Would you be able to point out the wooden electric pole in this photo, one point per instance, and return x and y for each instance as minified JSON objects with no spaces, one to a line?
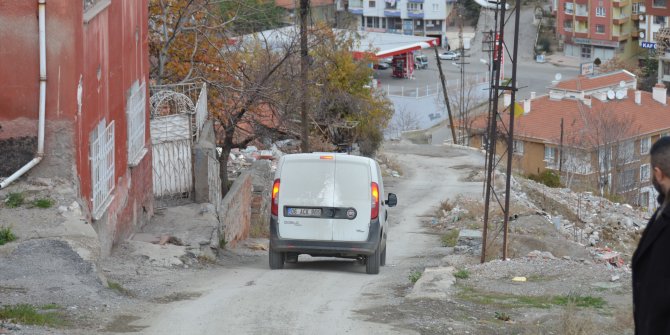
{"x":304,"y":67}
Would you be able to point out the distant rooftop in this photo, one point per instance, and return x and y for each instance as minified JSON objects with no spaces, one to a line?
{"x":590,"y":83}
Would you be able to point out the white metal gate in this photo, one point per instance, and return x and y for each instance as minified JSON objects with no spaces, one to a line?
{"x":172,"y":159}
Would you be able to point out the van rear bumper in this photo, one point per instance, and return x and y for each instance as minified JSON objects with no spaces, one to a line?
{"x":326,"y":248}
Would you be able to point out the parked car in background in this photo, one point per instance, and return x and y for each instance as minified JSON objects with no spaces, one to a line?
{"x":420,"y":61}
{"x":381,"y":66}
{"x":450,"y":55}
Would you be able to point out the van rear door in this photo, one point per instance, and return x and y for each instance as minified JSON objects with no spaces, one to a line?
{"x":307,"y":187}
{"x":352,"y":191}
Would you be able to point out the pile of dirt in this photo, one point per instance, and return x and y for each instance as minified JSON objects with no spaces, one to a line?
{"x":15,"y":153}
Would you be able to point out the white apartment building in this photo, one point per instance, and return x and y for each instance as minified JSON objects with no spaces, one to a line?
{"x":409,"y":17}
{"x":652,"y":15}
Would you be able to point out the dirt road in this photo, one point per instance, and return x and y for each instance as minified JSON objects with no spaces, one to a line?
{"x":320,"y":295}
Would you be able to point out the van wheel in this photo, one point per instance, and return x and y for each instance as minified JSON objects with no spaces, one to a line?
{"x":276,"y":260}
{"x":382,"y":257}
{"x":372,"y":264}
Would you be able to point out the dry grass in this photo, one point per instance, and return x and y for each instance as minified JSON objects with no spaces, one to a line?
{"x":575,"y":321}
{"x":258,"y":230}
{"x":623,"y":320}
{"x":391,"y":164}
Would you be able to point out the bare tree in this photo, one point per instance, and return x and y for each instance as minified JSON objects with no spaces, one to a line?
{"x":610,"y":135}
{"x":403,"y":120}
{"x":190,"y":42}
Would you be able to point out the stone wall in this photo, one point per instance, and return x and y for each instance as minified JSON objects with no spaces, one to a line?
{"x":262,"y":188}
{"x":235,"y":212}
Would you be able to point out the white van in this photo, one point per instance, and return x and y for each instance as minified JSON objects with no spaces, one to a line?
{"x":327,"y":204}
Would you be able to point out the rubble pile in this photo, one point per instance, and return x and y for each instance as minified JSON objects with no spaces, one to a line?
{"x":584,"y":217}
{"x":241,"y":159}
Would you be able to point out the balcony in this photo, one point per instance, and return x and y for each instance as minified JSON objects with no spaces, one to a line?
{"x":584,"y":18}
{"x":620,"y":37}
{"x":621,"y":19}
{"x":620,"y":3}
{"x":356,"y":7}
{"x":582,"y":34}
{"x":392,"y":12}
{"x":415,"y":14}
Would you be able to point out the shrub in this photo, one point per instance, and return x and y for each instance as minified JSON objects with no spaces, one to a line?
{"x":548,"y":177}
{"x":462,"y":274}
{"x":414,"y":276}
{"x":450,"y":239}
{"x":14,"y":200}
{"x":43,"y":203}
{"x":6,"y":235}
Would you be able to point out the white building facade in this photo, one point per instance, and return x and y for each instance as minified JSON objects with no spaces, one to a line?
{"x":409,"y":17}
{"x":652,"y":16}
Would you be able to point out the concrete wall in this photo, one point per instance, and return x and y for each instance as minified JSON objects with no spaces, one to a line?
{"x":235,"y":211}
{"x":203,"y":149}
{"x":262,"y":189}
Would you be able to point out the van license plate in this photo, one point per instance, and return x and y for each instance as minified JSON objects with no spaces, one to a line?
{"x":307,"y":212}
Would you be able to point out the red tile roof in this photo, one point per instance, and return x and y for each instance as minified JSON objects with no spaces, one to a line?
{"x":580,"y":122}
{"x":583,"y":83}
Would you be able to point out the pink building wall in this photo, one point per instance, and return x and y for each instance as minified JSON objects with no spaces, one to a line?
{"x":102,"y":57}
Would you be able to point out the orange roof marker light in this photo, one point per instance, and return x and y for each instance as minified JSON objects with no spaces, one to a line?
{"x":327,"y":157}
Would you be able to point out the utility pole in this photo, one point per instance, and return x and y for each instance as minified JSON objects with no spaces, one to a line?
{"x":461,"y":103}
{"x":304,"y":67}
{"x":494,"y":116}
{"x":446,"y":96}
{"x":560,"y":160}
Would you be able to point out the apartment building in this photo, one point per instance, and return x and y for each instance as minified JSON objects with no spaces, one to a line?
{"x":651,"y":16}
{"x":599,"y":29}
{"x":409,"y":17}
{"x":595,"y":132}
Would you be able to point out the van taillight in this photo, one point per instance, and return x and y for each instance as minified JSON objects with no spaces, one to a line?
{"x":375,"y":201}
{"x":275,"y":198}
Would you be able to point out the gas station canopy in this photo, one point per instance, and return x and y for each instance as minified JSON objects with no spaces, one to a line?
{"x":387,"y":44}
{"x":380,"y":45}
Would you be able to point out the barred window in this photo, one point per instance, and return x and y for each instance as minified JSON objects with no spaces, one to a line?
{"x":136,"y":111}
{"x":102,"y":167}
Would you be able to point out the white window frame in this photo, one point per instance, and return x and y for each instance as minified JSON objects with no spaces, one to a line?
{"x":636,"y":7}
{"x":603,"y":30}
{"x":569,"y":8}
{"x":645,"y":145}
{"x":549,"y":154}
{"x":645,"y":173}
{"x":102,"y":167}
{"x":518,"y":147}
{"x":136,"y":112}
{"x":600,"y":11}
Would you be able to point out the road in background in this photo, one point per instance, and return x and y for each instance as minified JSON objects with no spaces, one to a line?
{"x":321,"y":295}
{"x":531,"y":76}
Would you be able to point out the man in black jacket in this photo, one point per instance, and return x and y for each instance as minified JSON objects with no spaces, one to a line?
{"x":651,"y":261}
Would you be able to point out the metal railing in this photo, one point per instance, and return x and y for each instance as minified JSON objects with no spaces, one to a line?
{"x":433,"y":89}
